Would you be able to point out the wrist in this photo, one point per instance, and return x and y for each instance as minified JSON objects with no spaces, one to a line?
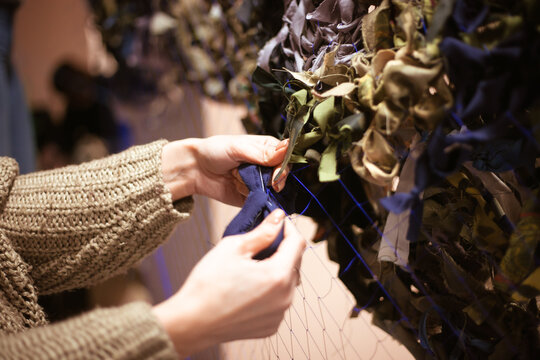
{"x":184,"y":325}
{"x":179,"y":167}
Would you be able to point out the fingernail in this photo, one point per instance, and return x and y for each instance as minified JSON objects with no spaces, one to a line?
{"x":279,"y":185}
{"x":278,"y":216}
{"x":282,"y":144}
{"x":276,"y":171}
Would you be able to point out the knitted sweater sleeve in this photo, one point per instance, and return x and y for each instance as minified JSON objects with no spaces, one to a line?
{"x":128,"y":332}
{"x":78,"y":225}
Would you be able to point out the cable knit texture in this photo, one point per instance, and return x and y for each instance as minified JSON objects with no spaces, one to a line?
{"x":128,"y":332}
{"x":74,"y":227}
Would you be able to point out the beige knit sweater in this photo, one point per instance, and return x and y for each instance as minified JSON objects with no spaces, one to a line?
{"x":74,"y":227}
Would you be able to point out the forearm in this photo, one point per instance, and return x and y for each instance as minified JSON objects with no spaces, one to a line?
{"x":128,"y":332}
{"x":81,"y":224}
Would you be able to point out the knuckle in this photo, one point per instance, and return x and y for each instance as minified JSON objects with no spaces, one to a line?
{"x":267,"y":153}
{"x":299,"y":239}
{"x":275,"y":327}
{"x":288,"y":300}
{"x":285,"y":304}
{"x":266,"y":235}
{"x":283,"y":280}
{"x":271,"y":330}
{"x":270,"y":141}
{"x":274,"y":324}
{"x":302,"y":243}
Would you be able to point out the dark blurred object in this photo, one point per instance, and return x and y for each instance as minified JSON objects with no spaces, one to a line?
{"x":66,"y":304}
{"x":116,"y":291}
{"x":48,"y":138}
{"x":88,"y":111}
{"x":210,"y":43}
{"x":88,"y":129}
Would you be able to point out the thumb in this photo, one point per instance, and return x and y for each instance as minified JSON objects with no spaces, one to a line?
{"x":263,"y":235}
{"x":260,"y":150}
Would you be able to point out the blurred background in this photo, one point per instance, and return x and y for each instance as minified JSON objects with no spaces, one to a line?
{"x":86,"y":105}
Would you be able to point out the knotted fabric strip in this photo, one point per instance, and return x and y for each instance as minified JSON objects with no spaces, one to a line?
{"x":261,"y":201}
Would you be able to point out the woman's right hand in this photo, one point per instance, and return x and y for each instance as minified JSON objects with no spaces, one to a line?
{"x":229,"y":296}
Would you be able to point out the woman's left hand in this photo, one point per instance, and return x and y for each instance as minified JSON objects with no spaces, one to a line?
{"x":209,"y":166}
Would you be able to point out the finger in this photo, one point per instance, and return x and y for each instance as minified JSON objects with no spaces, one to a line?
{"x":234,"y":198}
{"x":241,"y":188}
{"x":280,"y":183}
{"x":290,"y":251}
{"x":261,"y":150}
{"x":280,"y":150}
{"x":298,"y":276}
{"x":239,"y":183}
{"x":229,"y":195}
{"x":263,"y":235}
{"x":297,"y":268}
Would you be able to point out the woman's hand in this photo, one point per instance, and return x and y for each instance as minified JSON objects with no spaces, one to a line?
{"x":229,"y":296}
{"x":209,"y":166}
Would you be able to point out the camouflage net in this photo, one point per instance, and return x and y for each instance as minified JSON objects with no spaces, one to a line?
{"x":414,"y":129}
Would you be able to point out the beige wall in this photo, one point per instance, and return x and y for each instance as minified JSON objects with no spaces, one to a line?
{"x":46,"y":33}
{"x":317,"y":326}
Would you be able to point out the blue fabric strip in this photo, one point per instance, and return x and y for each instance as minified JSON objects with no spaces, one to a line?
{"x":261,"y":201}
